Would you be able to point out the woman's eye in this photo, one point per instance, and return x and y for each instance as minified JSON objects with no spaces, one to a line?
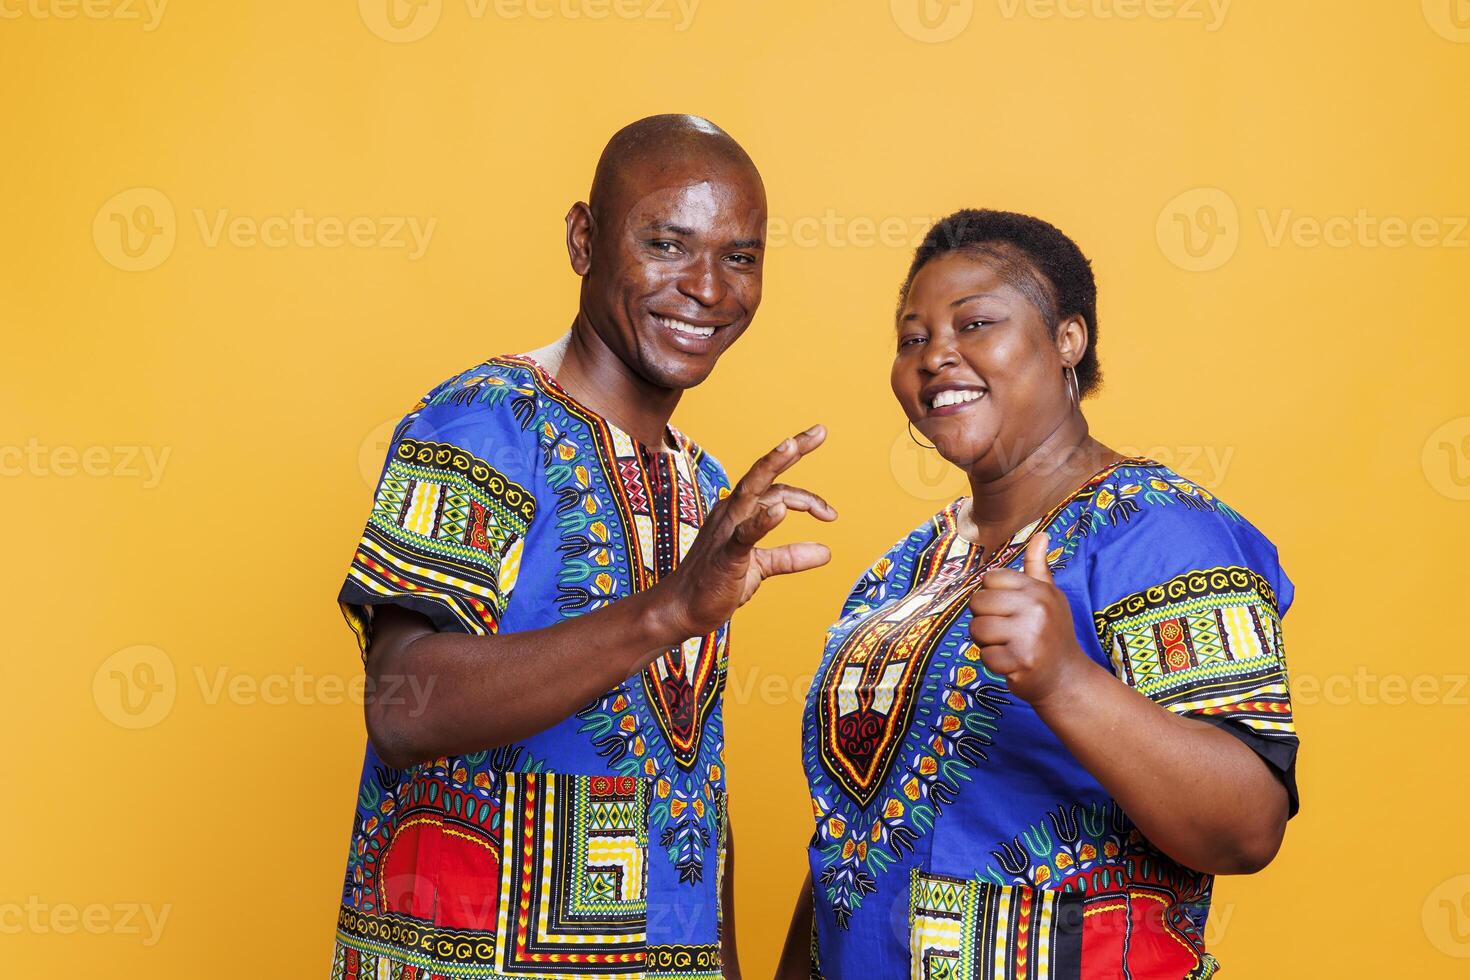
{"x":976,"y":324}
{"x":910,"y":341}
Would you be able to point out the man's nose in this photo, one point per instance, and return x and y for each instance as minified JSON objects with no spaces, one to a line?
{"x":701,"y":281}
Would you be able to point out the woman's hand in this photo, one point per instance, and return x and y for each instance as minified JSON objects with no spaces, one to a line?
{"x":723,"y":567}
{"x":1023,"y":627}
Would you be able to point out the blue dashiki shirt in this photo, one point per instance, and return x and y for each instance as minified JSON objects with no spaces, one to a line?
{"x":595,"y":848}
{"x":955,"y":835}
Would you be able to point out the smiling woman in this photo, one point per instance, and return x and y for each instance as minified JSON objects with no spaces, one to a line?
{"x":1050,"y":714}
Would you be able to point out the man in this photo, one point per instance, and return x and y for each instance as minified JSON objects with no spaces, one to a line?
{"x":549,"y":567}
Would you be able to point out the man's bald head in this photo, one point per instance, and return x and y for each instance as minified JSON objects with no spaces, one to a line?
{"x":670,"y":247}
{"x":657,"y":149}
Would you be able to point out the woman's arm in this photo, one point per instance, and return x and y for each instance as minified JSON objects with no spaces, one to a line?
{"x":729,"y":953}
{"x":796,"y":955}
{"x":1197,"y":793}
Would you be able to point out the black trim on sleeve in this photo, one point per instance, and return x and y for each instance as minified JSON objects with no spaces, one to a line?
{"x":1279,"y":754}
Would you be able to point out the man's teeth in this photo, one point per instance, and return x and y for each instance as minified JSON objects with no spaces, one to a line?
{"x":688,"y":329}
{"x":955,"y":396}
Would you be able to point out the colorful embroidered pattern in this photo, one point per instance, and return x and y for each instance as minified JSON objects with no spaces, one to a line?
{"x":540,"y":859}
{"x":677,"y":962}
{"x":925,"y":773}
{"x":900,"y":680}
{"x":572,"y":900}
{"x":1206,"y":642}
{"x":972,"y":930}
{"x":445,"y":527}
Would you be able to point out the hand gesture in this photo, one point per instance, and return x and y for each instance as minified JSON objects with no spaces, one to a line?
{"x":1023,"y":626}
{"x":724,"y":566}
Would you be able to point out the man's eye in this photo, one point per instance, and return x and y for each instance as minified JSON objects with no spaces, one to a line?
{"x":666,"y":246}
{"x":742,"y":259}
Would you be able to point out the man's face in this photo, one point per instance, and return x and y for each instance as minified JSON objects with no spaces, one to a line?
{"x":675,"y":271}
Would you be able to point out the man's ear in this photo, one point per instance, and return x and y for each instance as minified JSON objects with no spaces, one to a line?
{"x":1072,"y":340}
{"x":580,"y":229}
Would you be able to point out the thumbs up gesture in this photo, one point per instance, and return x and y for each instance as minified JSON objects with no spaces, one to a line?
{"x":1023,"y":626}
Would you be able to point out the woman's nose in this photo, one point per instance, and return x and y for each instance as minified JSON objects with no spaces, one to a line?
{"x":939,"y":355}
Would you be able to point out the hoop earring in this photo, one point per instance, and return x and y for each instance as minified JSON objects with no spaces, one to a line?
{"x":915,"y":438}
{"x":1074,"y":388}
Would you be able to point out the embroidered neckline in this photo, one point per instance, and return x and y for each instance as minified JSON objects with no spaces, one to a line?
{"x":547,"y":380}
{"x":1007,"y":552}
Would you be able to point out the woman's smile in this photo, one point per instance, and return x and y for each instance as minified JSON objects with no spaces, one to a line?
{"x":951,"y":398}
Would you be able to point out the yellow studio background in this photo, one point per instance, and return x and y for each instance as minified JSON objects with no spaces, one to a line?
{"x":240,"y":239}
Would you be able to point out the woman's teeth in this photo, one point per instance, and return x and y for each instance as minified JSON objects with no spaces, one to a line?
{"x":955,"y":396}
{"x":687,"y":329}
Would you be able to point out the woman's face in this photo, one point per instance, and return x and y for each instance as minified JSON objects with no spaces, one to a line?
{"x":977,"y":370}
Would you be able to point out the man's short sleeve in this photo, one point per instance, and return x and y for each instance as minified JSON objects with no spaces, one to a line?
{"x":448,"y":522}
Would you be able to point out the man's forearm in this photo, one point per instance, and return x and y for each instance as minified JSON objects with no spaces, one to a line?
{"x":476,"y":692}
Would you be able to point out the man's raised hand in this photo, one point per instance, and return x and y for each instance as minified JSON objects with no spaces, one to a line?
{"x":725,"y":564}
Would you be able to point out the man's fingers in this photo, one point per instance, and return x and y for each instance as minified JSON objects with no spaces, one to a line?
{"x":751,"y":530}
{"x":788,"y":558}
{"x":765,"y":470}
{"x":799,"y":498}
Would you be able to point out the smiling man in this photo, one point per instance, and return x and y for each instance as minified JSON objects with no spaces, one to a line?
{"x":552,"y":566}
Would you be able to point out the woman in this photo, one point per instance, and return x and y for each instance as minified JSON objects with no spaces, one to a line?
{"x":1048,"y":716}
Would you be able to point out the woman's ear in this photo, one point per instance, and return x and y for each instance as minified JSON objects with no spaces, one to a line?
{"x":1072,"y":340}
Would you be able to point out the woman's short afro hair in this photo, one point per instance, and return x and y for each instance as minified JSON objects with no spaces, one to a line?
{"x":1035,"y":258}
